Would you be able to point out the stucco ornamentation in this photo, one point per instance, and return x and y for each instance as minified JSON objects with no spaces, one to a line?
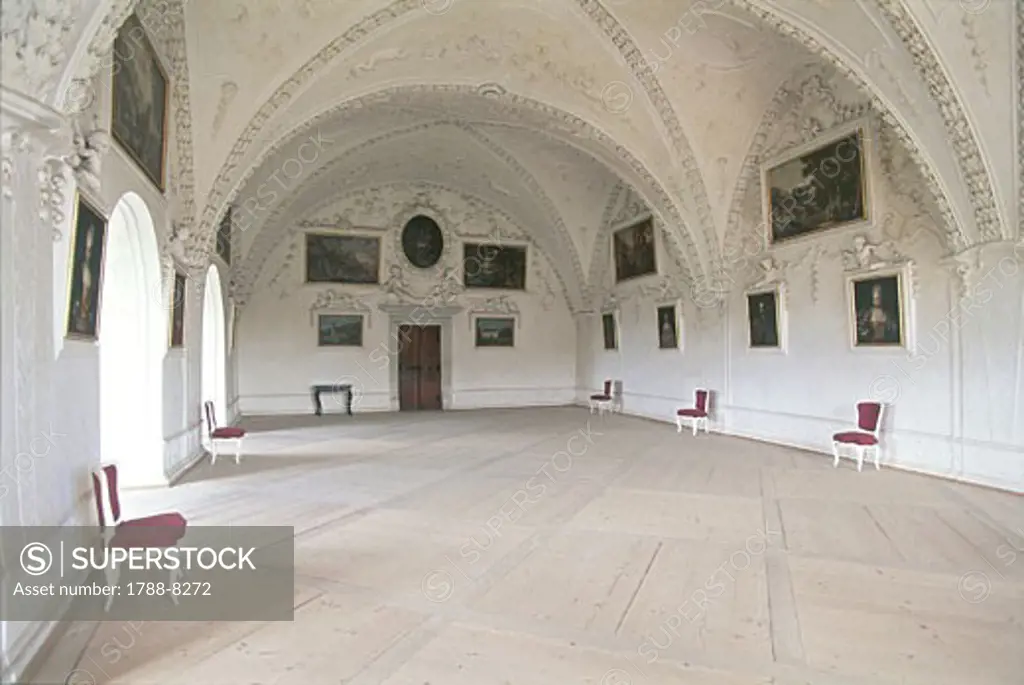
{"x":90,"y":146}
{"x":339,"y":302}
{"x":863,"y":254}
{"x":953,"y":116}
{"x":499,"y":304}
{"x":34,"y":38}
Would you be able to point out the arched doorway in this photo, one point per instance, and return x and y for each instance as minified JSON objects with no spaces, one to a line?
{"x":133,"y":325}
{"x":214,"y":359}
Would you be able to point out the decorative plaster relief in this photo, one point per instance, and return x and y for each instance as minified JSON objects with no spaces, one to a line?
{"x":90,"y":146}
{"x":957,"y":126}
{"x":34,"y":36}
{"x":339,"y":302}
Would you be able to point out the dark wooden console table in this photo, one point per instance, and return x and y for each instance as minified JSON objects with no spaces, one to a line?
{"x":341,"y":387}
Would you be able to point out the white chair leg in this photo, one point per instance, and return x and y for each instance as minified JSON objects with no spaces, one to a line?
{"x":860,"y":459}
{"x":679,"y":425}
{"x":878,"y":466}
{"x":591,"y":406}
{"x":238,"y":451}
{"x":835,"y":454}
{"x":213,"y":452}
{"x":694,"y":423}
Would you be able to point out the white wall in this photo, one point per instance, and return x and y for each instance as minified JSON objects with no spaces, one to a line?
{"x":956,"y":396}
{"x":278,"y":355}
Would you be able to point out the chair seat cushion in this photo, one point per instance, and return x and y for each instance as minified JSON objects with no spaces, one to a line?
{"x":600,"y":398}
{"x":855,"y":438}
{"x":229,"y":432}
{"x":161,"y":530}
{"x":695,"y":413}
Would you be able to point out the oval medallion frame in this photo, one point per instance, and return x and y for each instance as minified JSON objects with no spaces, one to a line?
{"x":422,"y":208}
{"x":422,"y":241}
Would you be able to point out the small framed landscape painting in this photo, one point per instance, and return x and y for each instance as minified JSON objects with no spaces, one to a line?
{"x":817,"y":186}
{"x":178,"y":295}
{"x":495,"y":331}
{"x":764,"y":319}
{"x":340,"y":330}
{"x":634,"y":251}
{"x":494,"y":266}
{"x":668,"y":327}
{"x":878,"y":310}
{"x":86,"y":278}
{"x":608,"y":327}
{"x":333,"y":258}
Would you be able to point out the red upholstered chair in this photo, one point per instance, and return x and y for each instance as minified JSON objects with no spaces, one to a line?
{"x":698,"y":414}
{"x":864,"y":440}
{"x":219,"y":434}
{"x":157,"y":531}
{"x":602,"y":401}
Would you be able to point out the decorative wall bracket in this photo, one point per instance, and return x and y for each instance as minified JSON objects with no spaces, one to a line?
{"x":90,"y":145}
{"x":499,"y":305}
{"x":342,"y":303}
{"x":866,"y":255}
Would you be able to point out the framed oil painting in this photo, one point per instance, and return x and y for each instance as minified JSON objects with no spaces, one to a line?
{"x":495,"y":331}
{"x":139,"y":100}
{"x":340,"y":330}
{"x":224,"y":236}
{"x":333,"y":258}
{"x":422,"y":242}
{"x":878,"y":310}
{"x":178,"y":310}
{"x":86,"y":277}
{"x":818,"y":186}
{"x":668,"y":327}
{"x":494,"y":266}
{"x":634,"y":251}
{"x":765,"y":319}
{"x":611,"y":341}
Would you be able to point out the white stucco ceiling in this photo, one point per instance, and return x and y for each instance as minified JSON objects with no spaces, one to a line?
{"x":666,"y":96}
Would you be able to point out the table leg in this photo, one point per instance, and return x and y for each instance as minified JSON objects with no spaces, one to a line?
{"x":348,"y":401}
{"x":318,"y":409}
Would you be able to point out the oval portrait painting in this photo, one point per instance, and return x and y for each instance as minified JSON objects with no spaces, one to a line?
{"x":422,"y":241}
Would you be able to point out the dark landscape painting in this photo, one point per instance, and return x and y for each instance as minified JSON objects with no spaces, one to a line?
{"x":495,"y":332}
{"x":634,"y":251}
{"x":877,"y":311}
{"x":763,"y":319}
{"x":224,"y":236}
{"x":668,"y":334}
{"x":86,"y":272}
{"x":139,"y":100}
{"x":821,"y":189}
{"x":608,"y":325}
{"x":340,"y":330}
{"x":178,"y":310}
{"x":494,"y":266}
{"x":332,"y":258}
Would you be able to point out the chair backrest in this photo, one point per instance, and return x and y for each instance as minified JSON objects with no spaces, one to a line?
{"x":617,"y":389}
{"x":211,"y":416}
{"x":108,"y":501}
{"x":869,"y":416}
{"x":608,"y":388}
{"x":701,"y":399}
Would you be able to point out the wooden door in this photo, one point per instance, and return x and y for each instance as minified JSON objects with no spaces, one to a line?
{"x":419,"y":367}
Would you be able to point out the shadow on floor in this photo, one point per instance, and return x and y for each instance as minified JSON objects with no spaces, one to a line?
{"x":251,"y":464}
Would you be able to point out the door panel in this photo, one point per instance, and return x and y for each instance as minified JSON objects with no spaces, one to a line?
{"x":430,"y":365}
{"x":419,"y":367}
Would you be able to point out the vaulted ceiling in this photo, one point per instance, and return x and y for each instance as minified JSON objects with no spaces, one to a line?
{"x":543,"y":107}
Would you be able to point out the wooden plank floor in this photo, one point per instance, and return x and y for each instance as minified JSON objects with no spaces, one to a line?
{"x":549,"y":547}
